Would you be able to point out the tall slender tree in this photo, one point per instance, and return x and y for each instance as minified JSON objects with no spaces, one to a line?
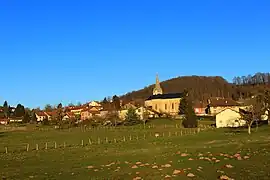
{"x":6,"y":109}
{"x":116,"y":102}
{"x":60,"y":115}
{"x":186,"y":109}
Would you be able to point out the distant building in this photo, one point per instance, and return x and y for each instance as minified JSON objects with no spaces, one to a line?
{"x":200,"y":108}
{"x":89,"y":113}
{"x":4,"y":121}
{"x":41,"y":116}
{"x":229,"y":118}
{"x":15,"y":119}
{"x":95,"y":104}
{"x":218,"y":104}
{"x":163,"y":103}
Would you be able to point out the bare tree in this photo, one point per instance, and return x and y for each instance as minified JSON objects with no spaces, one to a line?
{"x":253,"y":113}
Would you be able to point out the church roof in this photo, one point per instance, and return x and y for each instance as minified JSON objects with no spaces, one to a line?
{"x":166,"y":96}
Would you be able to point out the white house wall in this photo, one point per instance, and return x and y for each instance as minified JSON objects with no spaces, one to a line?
{"x":229,"y":118}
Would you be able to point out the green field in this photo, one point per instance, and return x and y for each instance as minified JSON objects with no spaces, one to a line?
{"x":130,"y":152}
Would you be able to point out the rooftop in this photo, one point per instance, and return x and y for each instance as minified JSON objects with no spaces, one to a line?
{"x":166,"y":96}
{"x":221,"y":102}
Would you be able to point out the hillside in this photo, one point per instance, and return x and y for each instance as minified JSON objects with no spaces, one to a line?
{"x":199,"y":87}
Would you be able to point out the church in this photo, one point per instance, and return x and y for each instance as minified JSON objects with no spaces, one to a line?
{"x":164,"y":103}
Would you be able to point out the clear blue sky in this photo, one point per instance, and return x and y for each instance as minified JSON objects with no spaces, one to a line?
{"x":55,"y":51}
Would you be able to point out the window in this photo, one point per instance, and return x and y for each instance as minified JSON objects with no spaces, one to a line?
{"x":165,"y":106}
{"x":172,"y":106}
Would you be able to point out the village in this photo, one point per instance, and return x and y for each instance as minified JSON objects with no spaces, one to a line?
{"x":223,"y":112}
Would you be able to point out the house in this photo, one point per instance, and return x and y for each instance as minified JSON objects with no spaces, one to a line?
{"x":229,"y":118}
{"x":41,"y":116}
{"x":200,"y":108}
{"x":103,"y":113}
{"x":16,"y":119}
{"x":164,"y":103}
{"x":4,"y":121}
{"x":95,"y":104}
{"x":122,"y":114}
{"x":141,"y":112}
{"x":218,"y":104}
{"x":128,"y":105}
{"x":77,"y":110}
{"x":68,"y":116}
{"x":89,"y":112}
{"x":50,"y":114}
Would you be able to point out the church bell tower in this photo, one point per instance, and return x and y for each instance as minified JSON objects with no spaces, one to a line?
{"x":157,"y":89}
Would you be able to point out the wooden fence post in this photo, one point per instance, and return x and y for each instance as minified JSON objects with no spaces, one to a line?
{"x":169,"y":134}
{"x":144,"y":136}
{"x":64,"y":144}
{"x":90,"y":142}
{"x":137,"y":137}
{"x":115,"y":140}
{"x":27,"y":147}
{"x":98,"y":140}
{"x":82,"y":143}
{"x":130,"y":138}
{"x":124,"y":139}
{"x":106,"y":139}
{"x":181,"y":133}
{"x":46,"y":146}
{"x":6,"y":150}
{"x":37,"y":147}
{"x":55,"y":145}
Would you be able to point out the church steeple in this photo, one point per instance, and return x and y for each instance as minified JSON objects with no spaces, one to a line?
{"x":157,"y":89}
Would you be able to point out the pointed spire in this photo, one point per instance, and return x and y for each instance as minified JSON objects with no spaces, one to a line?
{"x":157,"y":81}
{"x":157,"y":90}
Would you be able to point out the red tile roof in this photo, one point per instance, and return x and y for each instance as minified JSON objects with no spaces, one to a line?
{"x":41,"y":113}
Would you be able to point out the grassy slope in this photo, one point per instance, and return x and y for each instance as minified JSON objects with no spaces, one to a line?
{"x":72,"y":162}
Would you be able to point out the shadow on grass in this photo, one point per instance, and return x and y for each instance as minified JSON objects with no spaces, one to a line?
{"x":2,"y":134}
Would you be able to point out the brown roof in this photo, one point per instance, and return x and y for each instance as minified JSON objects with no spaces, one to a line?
{"x":51,"y":113}
{"x":41,"y":113}
{"x":199,"y":104}
{"x":78,"y":107}
{"x":221,"y":102}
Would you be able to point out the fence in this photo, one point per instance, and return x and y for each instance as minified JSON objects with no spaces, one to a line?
{"x":45,"y":146}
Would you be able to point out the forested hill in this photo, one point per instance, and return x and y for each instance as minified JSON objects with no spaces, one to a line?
{"x":199,"y":87}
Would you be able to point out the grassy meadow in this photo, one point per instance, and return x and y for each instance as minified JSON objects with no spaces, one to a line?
{"x":161,"y":150}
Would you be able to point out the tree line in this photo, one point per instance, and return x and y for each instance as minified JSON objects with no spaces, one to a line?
{"x":256,"y":79}
{"x":20,"y":111}
{"x":203,"y":87}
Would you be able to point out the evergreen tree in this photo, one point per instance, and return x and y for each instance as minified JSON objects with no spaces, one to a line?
{"x":6,"y":110}
{"x":186,"y":108}
{"x":131,"y":117}
{"x":48,"y":108}
{"x":59,"y":115}
{"x":105,"y":101}
{"x":19,"y":111}
{"x":183,"y":103}
{"x":26,"y":117}
{"x":116,"y":102}
{"x":33,"y":117}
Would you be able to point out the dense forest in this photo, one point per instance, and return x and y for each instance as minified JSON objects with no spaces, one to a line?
{"x":203,"y":87}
